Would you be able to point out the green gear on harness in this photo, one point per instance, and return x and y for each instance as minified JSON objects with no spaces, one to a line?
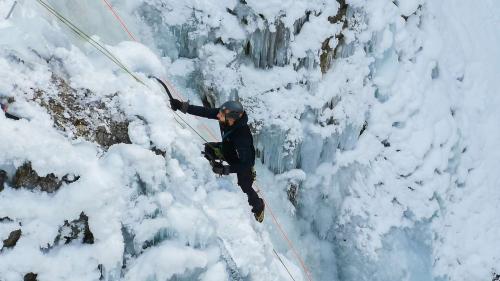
{"x":218,"y":152}
{"x":213,"y":153}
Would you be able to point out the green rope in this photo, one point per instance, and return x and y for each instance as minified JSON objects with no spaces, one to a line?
{"x":108,"y":54}
{"x":88,"y":39}
{"x":279,"y":258}
{"x":114,"y":59}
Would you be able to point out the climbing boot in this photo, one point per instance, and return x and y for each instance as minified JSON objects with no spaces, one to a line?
{"x":259,"y":215}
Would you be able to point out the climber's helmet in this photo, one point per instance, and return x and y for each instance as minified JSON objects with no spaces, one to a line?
{"x":232,"y":109}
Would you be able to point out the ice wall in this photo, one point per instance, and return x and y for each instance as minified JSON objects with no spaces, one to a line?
{"x":146,"y":207}
{"x":353,"y":94}
{"x":357,"y":110}
{"x":267,"y":43}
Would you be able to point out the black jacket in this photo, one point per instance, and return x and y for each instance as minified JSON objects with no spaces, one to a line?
{"x":237,"y":141}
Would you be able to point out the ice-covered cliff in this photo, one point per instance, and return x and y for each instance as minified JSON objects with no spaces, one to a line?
{"x":374,"y":123}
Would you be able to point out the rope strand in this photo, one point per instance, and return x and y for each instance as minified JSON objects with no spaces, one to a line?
{"x":285,"y":236}
{"x":88,"y":39}
{"x":279,"y":258}
{"x":115,"y":60}
{"x":106,"y":53}
{"x":283,"y":233}
{"x":120,"y":20}
{"x":170,"y":86}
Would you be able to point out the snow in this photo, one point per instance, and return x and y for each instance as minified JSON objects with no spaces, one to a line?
{"x":164,"y":261}
{"x":475,"y":204}
{"x":138,"y":58}
{"x":393,"y":150}
{"x":289,"y":9}
{"x":310,"y":37}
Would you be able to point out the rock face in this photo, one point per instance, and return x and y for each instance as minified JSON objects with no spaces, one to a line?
{"x":117,"y":132}
{"x":3,"y":178}
{"x":5,"y":219}
{"x":12,"y":240}
{"x":30,"y":276}
{"x":76,"y":112}
{"x":27,"y":177}
{"x":75,"y":230}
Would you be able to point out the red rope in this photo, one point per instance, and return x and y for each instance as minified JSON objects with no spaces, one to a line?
{"x":285,"y":236}
{"x":176,"y":93}
{"x":119,"y":19}
{"x":283,"y":233}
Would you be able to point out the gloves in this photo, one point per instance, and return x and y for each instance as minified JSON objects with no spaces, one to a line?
{"x":220,"y":169}
{"x":176,"y":104}
{"x":213,"y":151}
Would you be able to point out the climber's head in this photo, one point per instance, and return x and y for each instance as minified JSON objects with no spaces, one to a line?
{"x":230,"y":112}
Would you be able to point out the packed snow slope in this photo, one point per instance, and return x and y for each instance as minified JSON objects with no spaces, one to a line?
{"x":375,"y":123}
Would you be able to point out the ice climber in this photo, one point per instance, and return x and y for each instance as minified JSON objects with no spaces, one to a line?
{"x":236,"y":148}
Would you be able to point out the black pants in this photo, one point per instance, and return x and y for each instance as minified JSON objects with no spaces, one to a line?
{"x":245,"y":178}
{"x":245,"y":181}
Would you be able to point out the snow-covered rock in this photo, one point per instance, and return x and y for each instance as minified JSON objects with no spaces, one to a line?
{"x":374,"y":123}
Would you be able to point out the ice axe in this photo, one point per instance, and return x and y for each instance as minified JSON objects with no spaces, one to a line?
{"x":164,"y":86}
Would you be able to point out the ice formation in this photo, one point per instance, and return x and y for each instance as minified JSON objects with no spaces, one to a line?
{"x":374,"y":123}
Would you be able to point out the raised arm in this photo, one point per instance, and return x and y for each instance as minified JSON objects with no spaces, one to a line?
{"x":201,"y":111}
{"x":185,"y":107}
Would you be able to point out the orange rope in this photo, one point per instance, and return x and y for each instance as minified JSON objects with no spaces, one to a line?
{"x":120,"y":20}
{"x":283,"y":233}
{"x":176,"y":93}
{"x":285,"y":236}
{"x":279,"y":258}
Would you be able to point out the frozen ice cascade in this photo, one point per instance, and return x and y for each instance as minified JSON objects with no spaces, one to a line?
{"x":375,"y":123}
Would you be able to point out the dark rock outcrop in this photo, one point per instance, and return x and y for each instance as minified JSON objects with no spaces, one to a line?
{"x":292,"y":193}
{"x":27,"y":177}
{"x":6,"y":219}
{"x":3,"y":178}
{"x":12,"y":240}
{"x":75,"y":230}
{"x":117,"y":132}
{"x":76,"y":112}
{"x":329,"y":53}
{"x":30,"y":276}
